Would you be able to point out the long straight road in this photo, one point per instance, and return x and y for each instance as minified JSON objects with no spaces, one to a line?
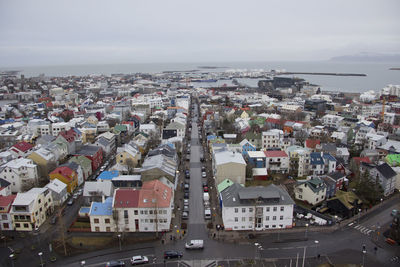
{"x":196,"y":227}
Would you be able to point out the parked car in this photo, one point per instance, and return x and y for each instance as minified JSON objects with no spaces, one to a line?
{"x":185,"y":215}
{"x":203,"y":168}
{"x":70,"y":202}
{"x":169,"y":254}
{"x":186,"y":187}
{"x":186,"y":208}
{"x":394,"y":212}
{"x":207,"y":214}
{"x":204,"y":174}
{"x":187,"y":174}
{"x":75,"y":196}
{"x":186,"y":195}
{"x":195,"y":244}
{"x":115,"y":263}
{"x":205,"y":183}
{"x":135,"y":260}
{"x":186,"y":202}
{"x":205,"y":189}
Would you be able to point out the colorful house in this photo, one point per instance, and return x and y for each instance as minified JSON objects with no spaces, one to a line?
{"x":94,"y":153}
{"x":66,"y":175}
{"x":393,"y":160}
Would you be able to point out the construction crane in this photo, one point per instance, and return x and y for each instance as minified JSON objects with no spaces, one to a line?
{"x":383,"y":107}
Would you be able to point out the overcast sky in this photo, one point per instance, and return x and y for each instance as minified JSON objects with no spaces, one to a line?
{"x":138,"y":31}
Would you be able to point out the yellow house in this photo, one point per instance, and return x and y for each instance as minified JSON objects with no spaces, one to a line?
{"x":126,"y":152}
{"x":88,"y":135}
{"x":66,"y":175}
{"x":92,"y":120}
{"x":244,"y":115}
{"x":46,"y":161}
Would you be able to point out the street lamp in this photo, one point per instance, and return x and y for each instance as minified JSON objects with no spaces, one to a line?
{"x":363,"y":257}
{"x":359,"y":211}
{"x":12,"y":260}
{"x":83,"y":263}
{"x":41,"y":260}
{"x":305,"y":234}
{"x":316,"y":243}
{"x":119,"y":240}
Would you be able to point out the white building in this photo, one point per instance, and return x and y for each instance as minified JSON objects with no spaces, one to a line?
{"x":256,"y":208}
{"x":271,"y":139}
{"x":21,"y":173}
{"x":101,"y":216}
{"x":277,"y":161}
{"x":58,"y":127}
{"x":333,"y":121}
{"x":374,"y":140}
{"x":148,"y":209}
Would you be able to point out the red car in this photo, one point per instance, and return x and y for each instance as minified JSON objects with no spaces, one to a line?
{"x":205,"y":188}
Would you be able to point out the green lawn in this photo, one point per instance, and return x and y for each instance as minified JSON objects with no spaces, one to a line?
{"x":258,"y":183}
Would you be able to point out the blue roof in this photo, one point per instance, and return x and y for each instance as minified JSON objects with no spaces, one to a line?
{"x":211,"y":137}
{"x":108,"y":175}
{"x":329,"y":157}
{"x":102,"y":209}
{"x":316,"y":158}
{"x":84,"y":210}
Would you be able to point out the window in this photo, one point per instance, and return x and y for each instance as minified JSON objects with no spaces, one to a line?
{"x":267,"y":226}
{"x":26,"y":225}
{"x":108,"y":229}
{"x":281,"y":226}
{"x":250,"y":209}
{"x":125,"y":214}
{"x":236,"y":219}
{"x":243,"y":210}
{"x":97,"y":229}
{"x":151,"y":212}
{"x":165,"y":211}
{"x":300,"y":196}
{"x":17,"y":225}
{"x":274,"y":218}
{"x":250,"y":219}
{"x":4,"y":217}
{"x":243,"y":219}
{"x":267,"y":209}
{"x":281,"y":218}
{"x":96,"y":220}
{"x":275,"y":208}
{"x":236,"y":210}
{"x":267,"y":218}
{"x":274,"y":226}
{"x":107,"y":221}
{"x":282,"y":208}
{"x":136,"y":212}
{"x":151,"y":220}
{"x":141,"y":212}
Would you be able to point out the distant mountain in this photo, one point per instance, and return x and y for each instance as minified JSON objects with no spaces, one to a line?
{"x":368,"y":57}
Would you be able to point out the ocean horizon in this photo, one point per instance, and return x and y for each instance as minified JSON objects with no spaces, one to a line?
{"x":378,"y":74}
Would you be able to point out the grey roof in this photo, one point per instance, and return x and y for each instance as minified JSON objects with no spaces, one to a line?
{"x":237,"y":195}
{"x":4,"y":183}
{"x":336,"y":175}
{"x":386,"y":170}
{"x":328,"y":147}
{"x":88,"y":150}
{"x":103,"y":141}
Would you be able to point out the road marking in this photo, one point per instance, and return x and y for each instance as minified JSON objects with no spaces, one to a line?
{"x":350,"y":224}
{"x":361,"y":229}
{"x":288,"y":248}
{"x":369,"y":231}
{"x":299,"y":247}
{"x":272,"y":248}
{"x":357,"y":226}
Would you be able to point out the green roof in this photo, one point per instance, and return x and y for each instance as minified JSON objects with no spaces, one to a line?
{"x":347,"y":198}
{"x":120,"y":127}
{"x":393,"y":159}
{"x":224,"y":185}
{"x":82,"y":160}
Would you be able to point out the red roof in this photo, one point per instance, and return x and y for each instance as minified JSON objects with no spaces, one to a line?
{"x":64,"y":171}
{"x":154,"y":190}
{"x":275,"y":154}
{"x":272,"y":120}
{"x":126,"y":198}
{"x":6,"y":201}
{"x":68,"y":135}
{"x":358,"y":160}
{"x":23,"y":146}
{"x":312,"y":143}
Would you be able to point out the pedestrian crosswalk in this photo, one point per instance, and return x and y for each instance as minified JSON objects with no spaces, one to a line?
{"x":364,"y":230}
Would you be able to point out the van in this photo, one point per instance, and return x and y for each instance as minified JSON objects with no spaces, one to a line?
{"x":194,"y":244}
{"x":207,"y":214}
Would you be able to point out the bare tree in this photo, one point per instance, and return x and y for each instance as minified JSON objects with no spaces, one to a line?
{"x":130,"y":164}
{"x":301,"y":136}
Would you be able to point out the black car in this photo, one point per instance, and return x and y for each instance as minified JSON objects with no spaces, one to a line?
{"x":172,"y":254}
{"x":205,"y":183}
{"x":186,"y":195}
{"x":187,"y":174}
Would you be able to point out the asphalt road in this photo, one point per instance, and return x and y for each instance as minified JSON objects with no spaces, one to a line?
{"x":196,"y":227}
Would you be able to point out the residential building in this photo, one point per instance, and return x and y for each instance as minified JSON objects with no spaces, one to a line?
{"x":96,"y":191}
{"x":148,"y":209}
{"x":382,"y":174}
{"x":66,"y":175}
{"x":277,"y":161}
{"x":21,"y":149}
{"x":31,"y":209}
{"x":101,"y":216}
{"x":94,"y":153}
{"x":256,"y":208}
{"x":272,"y":139}
{"x":21,"y":173}
{"x":128,"y":153}
{"x":311,"y":191}
{"x":58,"y":191}
{"x":6,"y":202}
{"x":46,"y":160}
{"x":229,"y":165}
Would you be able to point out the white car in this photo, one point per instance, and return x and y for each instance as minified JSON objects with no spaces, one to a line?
{"x":139,"y":260}
{"x":204,"y":174}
